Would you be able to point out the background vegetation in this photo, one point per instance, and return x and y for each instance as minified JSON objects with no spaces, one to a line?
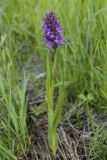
{"x":83,"y":61}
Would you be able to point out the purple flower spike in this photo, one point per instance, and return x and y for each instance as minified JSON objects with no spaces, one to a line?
{"x":53,"y":34}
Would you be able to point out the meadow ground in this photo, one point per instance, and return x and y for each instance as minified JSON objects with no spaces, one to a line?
{"x":82,"y":65}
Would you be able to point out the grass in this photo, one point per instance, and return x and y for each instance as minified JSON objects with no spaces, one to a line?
{"x":82,"y":60}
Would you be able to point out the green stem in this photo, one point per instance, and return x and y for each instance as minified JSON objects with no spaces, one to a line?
{"x":55,"y":65}
{"x":50,"y":85}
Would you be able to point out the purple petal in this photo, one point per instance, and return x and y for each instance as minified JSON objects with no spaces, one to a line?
{"x":48,"y":33}
{"x":57,"y":41}
{"x":50,"y":45}
{"x":52,"y":36}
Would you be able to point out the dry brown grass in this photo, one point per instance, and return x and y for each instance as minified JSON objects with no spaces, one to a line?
{"x":72,"y":142}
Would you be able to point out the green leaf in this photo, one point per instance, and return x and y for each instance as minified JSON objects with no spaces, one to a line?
{"x":82,"y":97}
{"x":59,"y":106}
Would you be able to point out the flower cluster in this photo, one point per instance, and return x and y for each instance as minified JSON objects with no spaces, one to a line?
{"x":53,"y":34}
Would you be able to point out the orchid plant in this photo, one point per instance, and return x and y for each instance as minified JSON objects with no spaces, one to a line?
{"x":53,"y":37}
